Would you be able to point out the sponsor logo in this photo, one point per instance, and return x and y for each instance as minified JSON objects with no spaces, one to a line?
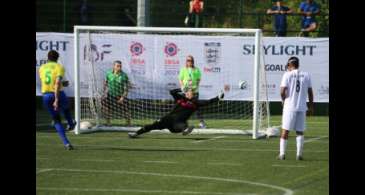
{"x":171,"y":72}
{"x":289,"y":50}
{"x":46,"y":45}
{"x":171,"y":49}
{"x":95,"y":53}
{"x":212,"y":53}
{"x":276,"y":67}
{"x":136,"y":49}
{"x":212,"y":69}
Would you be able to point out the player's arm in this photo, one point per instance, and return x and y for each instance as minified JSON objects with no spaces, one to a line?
{"x":177,"y":94}
{"x":57,"y":92}
{"x":316,"y":11}
{"x":289,"y":11}
{"x":201,"y":103}
{"x":283,"y":94}
{"x":125,"y":90}
{"x":301,"y":9}
{"x":181,"y":85}
{"x":190,"y":7}
{"x":181,"y":80}
{"x":284,"y":88}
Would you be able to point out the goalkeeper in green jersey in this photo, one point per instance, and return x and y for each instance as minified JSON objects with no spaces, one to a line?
{"x":116,"y":87}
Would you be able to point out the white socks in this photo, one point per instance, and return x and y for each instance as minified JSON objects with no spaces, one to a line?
{"x":283,"y":143}
{"x":300,"y":142}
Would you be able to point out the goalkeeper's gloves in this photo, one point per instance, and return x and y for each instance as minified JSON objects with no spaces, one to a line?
{"x":221,"y":95}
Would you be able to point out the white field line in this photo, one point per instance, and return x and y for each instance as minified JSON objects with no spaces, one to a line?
{"x":314,"y":139}
{"x":214,"y":138}
{"x":224,"y":164}
{"x":285,"y":191}
{"x":278,"y":165}
{"x":152,"y":161}
{"x":95,"y":160}
{"x":181,"y":148}
{"x":43,"y":170}
{"x":135,"y":191}
{"x":163,"y":162}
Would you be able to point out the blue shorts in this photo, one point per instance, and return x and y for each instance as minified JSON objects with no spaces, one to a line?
{"x":307,"y":22}
{"x":48,"y":99}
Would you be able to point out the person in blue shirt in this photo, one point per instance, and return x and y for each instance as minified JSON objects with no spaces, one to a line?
{"x":308,"y":9}
{"x":279,"y":12}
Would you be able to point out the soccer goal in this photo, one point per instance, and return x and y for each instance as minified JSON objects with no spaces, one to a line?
{"x":229,"y":59}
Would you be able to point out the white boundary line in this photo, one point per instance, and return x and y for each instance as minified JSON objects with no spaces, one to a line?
{"x":181,"y":148}
{"x":135,"y":190}
{"x":43,"y":170}
{"x":214,"y":138}
{"x":164,"y":162}
{"x":152,"y":161}
{"x":314,"y":139}
{"x":299,"y":166}
{"x":285,"y":190}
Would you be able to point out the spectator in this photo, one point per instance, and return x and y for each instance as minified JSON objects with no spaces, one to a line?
{"x":279,"y":11}
{"x":127,"y":18}
{"x":84,"y":9}
{"x":195,"y":9}
{"x":308,"y":9}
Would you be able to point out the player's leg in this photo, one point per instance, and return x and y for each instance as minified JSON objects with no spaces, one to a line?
{"x":288,"y":122}
{"x":299,"y":128}
{"x":159,"y":124}
{"x":180,"y":127}
{"x":105,"y":103}
{"x":64,"y":105}
{"x":126,"y":112}
{"x":48,"y":100}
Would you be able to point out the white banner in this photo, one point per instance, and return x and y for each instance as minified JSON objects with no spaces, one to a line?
{"x":152,"y":62}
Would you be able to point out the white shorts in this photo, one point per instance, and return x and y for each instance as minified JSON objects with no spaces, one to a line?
{"x":293,"y":120}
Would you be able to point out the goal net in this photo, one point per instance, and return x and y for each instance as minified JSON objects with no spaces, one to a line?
{"x":151,"y":59}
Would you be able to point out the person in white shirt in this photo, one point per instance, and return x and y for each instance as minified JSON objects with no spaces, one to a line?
{"x":294,"y":88}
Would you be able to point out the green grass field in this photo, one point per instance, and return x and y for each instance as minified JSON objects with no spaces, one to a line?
{"x":111,"y":163}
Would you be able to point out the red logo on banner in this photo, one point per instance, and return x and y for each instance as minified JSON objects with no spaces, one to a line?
{"x":136,"y":48}
{"x":171,"y":49}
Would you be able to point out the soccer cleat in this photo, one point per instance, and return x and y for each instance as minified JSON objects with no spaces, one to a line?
{"x":299,"y":157}
{"x":202,"y":125}
{"x":188,"y":130}
{"x":132,"y":135}
{"x":71,"y":127}
{"x":281,"y":157}
{"x":69,"y":147}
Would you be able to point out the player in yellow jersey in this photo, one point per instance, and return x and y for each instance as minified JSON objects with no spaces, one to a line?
{"x":54,"y":99}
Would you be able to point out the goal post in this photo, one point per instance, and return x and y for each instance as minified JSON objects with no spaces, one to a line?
{"x":243,"y":110}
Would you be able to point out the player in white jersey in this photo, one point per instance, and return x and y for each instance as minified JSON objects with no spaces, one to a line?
{"x":294,"y":88}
